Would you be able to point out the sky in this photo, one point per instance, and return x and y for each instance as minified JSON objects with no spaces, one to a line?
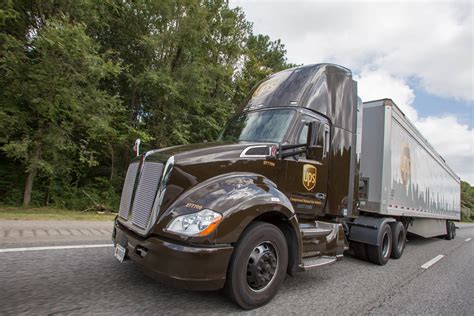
{"x":418,"y":53}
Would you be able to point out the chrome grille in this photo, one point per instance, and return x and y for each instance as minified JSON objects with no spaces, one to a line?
{"x":146,"y":193}
{"x":127,"y":190}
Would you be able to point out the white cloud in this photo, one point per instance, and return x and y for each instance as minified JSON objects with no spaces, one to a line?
{"x":452,"y":139}
{"x":373,"y":85}
{"x":430,"y":41}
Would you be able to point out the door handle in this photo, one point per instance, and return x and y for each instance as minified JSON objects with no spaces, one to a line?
{"x":326,"y":141}
{"x":320,"y":196}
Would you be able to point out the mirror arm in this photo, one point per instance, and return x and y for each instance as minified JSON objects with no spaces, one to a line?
{"x":293,"y":153}
{"x":286,"y":147}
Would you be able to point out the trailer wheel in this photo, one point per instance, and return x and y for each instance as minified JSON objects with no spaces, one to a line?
{"x":381,"y":253}
{"x":451,"y":230}
{"x":399,"y":234}
{"x":448,"y":231}
{"x":258,"y":266}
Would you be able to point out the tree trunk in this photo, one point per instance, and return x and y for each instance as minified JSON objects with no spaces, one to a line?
{"x":48,"y":192}
{"x":31,"y":174}
{"x":28,"y":187}
{"x":112,"y":166}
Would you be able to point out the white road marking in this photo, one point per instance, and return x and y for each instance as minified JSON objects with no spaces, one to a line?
{"x":432,"y":261}
{"x":54,"y":248}
{"x":468,"y":239}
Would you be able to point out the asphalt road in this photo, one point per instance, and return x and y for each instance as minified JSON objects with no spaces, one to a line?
{"x":78,"y":281}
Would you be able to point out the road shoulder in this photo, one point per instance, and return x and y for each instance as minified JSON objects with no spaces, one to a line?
{"x":25,"y":233}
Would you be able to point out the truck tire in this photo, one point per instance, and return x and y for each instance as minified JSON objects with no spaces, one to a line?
{"x":399,"y":235}
{"x":258,"y":266}
{"x":381,"y":253}
{"x":451,"y":230}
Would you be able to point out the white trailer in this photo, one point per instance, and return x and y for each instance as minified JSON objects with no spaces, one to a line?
{"x":402,"y":175}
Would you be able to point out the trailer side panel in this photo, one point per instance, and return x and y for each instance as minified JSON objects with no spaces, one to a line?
{"x":416,"y":182}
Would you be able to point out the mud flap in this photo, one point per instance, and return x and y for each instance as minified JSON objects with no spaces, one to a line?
{"x":366,"y":229}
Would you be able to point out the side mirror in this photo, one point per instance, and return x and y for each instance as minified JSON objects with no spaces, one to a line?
{"x":312,"y":138}
{"x":317,"y":146}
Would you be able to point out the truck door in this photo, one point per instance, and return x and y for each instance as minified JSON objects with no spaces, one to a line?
{"x":306,"y":179}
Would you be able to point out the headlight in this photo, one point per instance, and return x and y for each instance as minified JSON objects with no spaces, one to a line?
{"x":196,"y":224}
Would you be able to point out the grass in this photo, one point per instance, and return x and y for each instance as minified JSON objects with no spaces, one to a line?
{"x":47,"y":213}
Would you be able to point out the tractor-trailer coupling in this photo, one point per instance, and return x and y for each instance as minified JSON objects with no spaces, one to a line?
{"x":301,"y":174}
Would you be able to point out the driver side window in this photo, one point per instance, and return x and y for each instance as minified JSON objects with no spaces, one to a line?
{"x":322,"y":136}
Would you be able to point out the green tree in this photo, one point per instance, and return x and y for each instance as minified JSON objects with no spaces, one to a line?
{"x":467,"y":197}
{"x":262,"y":57}
{"x":52,"y":106}
{"x":180,"y":60}
{"x":82,"y":79}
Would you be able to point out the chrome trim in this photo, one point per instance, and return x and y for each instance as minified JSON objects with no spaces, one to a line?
{"x":160,"y":194}
{"x":147,"y":188}
{"x":128,"y":190}
{"x":243,"y":154}
{"x":153,"y":215}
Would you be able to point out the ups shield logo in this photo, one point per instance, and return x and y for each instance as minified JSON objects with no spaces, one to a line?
{"x":310,"y":174}
{"x":405,"y":164}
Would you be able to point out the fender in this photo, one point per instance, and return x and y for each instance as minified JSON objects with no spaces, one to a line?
{"x":366,"y":229}
{"x":239,"y":196}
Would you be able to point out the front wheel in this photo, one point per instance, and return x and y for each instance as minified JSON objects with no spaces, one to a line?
{"x":258,"y":266}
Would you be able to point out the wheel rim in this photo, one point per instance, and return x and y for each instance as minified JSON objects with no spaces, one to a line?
{"x":262,"y":265}
{"x":385,"y":245}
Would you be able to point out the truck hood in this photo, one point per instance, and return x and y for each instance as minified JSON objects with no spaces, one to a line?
{"x":196,"y":163}
{"x":208,"y":152}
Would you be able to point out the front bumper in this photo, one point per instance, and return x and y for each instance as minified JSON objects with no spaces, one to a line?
{"x":189,"y":267}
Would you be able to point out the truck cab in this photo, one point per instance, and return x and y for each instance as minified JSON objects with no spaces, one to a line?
{"x":277,"y":193}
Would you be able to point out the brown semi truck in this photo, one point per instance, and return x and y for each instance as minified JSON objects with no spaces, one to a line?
{"x":302,"y":173}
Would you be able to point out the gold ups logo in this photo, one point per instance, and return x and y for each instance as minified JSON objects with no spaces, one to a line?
{"x":405,"y":163}
{"x":310,"y":173}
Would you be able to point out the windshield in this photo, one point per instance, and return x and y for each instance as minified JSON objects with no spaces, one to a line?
{"x":267,"y":126}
